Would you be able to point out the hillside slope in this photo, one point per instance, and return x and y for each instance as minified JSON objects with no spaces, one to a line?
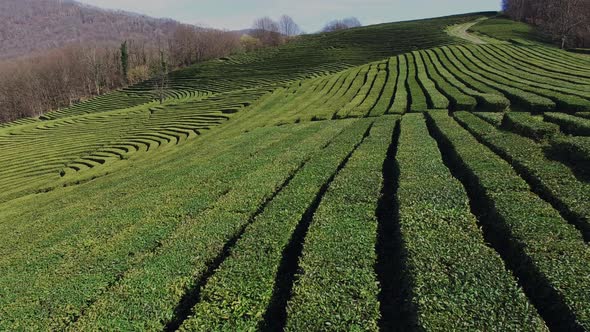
{"x":308,"y":56}
{"x":384,"y":178}
{"x":198,"y":98}
{"x":28,"y":26}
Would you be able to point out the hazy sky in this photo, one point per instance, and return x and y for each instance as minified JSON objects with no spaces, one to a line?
{"x":310,"y":14}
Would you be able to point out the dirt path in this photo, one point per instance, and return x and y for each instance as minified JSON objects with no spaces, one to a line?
{"x":461,"y":31}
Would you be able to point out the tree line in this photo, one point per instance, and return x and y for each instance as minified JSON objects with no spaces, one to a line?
{"x":269,"y":32}
{"x":567,"y":22}
{"x":49,"y":80}
{"x":58,"y":78}
{"x":33,"y":85}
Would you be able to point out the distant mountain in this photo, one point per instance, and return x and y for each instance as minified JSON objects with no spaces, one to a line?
{"x":29,"y":26}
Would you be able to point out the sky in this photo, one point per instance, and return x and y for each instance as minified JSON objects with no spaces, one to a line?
{"x":311,"y":15}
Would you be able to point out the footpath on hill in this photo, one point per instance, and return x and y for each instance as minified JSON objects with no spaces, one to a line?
{"x":462,"y":31}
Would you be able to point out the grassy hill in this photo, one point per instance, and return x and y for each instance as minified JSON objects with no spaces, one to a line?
{"x":115,"y":126}
{"x":391,"y":177}
{"x":505,"y":29}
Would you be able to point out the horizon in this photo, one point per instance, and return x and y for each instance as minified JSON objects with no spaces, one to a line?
{"x":310,"y":15}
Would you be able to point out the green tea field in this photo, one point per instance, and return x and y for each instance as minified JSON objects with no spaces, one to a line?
{"x":427,"y":175}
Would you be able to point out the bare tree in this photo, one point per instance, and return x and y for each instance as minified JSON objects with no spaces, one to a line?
{"x":267,"y":31}
{"x":564,"y":17}
{"x":181,"y":45}
{"x":352,"y":22}
{"x":37,"y":25}
{"x":566,"y":21}
{"x":64,"y":76}
{"x":190,"y":44}
{"x":94,"y":63}
{"x":515,"y":8}
{"x":335,"y":25}
{"x":347,"y":23}
{"x":288,"y":27}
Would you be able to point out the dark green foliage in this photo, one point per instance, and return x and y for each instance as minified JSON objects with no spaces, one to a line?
{"x":495,"y":119}
{"x":522,"y":98}
{"x":435,"y":98}
{"x":443,"y":244}
{"x":459,"y":100}
{"x":553,"y":180}
{"x":371,"y":92}
{"x":187,"y":255}
{"x":488,"y":97}
{"x":355,"y":94}
{"x":530,"y":126}
{"x":124,"y":60}
{"x":555,"y":61}
{"x":238,"y":295}
{"x":529,"y":64}
{"x":419,"y":103}
{"x":570,"y":124}
{"x":38,"y":152}
{"x":547,"y":254}
{"x":566,"y":97}
{"x":574,"y":150}
{"x":337,"y":289}
{"x":401,"y":99}
{"x":386,"y":98}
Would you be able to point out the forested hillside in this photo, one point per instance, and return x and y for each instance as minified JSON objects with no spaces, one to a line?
{"x":56,"y":53}
{"x":30,"y":26}
{"x":566,"y":22}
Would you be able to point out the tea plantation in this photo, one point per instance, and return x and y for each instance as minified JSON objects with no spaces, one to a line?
{"x":424,"y":175}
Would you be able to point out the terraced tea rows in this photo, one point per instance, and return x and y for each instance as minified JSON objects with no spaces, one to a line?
{"x":410,"y":207}
{"x":483,"y":77}
{"x":197,"y":99}
{"x":37,"y":157}
{"x":548,"y":255}
{"x":282,"y":273}
{"x":262,"y":168}
{"x":308,"y":56}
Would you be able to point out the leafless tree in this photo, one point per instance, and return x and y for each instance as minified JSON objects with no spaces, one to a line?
{"x":94,"y":64}
{"x":347,"y":23}
{"x":61,"y":77}
{"x":352,"y":22}
{"x":267,"y":31}
{"x":64,"y":70}
{"x":566,"y":21}
{"x":563,"y":17}
{"x":181,"y":45}
{"x":517,"y":8}
{"x":28,"y":26}
{"x":190,"y":44}
{"x":288,"y":27}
